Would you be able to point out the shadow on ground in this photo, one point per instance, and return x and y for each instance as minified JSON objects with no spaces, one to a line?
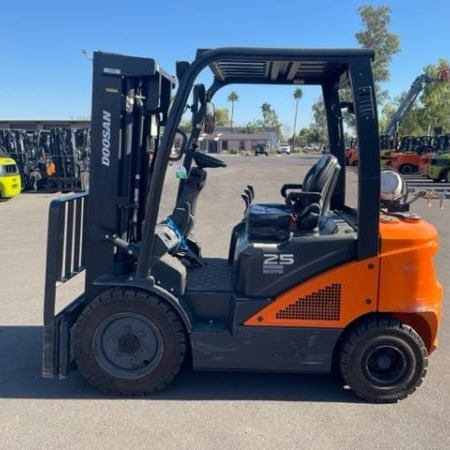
{"x":20,"y":377}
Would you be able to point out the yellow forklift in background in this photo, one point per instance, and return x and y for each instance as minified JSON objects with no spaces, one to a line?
{"x":10,"y":183}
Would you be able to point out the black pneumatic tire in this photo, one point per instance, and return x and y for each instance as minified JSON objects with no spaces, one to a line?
{"x":447,"y":176}
{"x":406,"y":169}
{"x":128,"y":342}
{"x":383,"y":360}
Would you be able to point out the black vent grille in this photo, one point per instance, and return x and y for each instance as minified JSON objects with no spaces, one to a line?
{"x":366,"y":108}
{"x":11,"y":169}
{"x":325,"y":304}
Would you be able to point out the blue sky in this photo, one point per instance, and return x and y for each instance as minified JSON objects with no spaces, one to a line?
{"x":45,"y":76}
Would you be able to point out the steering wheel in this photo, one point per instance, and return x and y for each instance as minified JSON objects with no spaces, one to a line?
{"x":205,"y":161}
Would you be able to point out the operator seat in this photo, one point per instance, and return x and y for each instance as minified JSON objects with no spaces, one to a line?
{"x":294,"y":229}
{"x":305,"y":204}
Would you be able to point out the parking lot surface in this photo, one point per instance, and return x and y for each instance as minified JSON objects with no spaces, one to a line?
{"x":199,"y":409}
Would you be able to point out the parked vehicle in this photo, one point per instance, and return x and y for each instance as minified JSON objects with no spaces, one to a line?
{"x":311,"y":148}
{"x":32,"y":150}
{"x":284,"y":148}
{"x":10,"y":183}
{"x":261,"y":149}
{"x":440,"y":167}
{"x":414,"y":154}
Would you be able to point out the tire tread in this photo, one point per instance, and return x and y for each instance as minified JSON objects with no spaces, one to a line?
{"x":99,"y":380}
{"x":363,"y":331}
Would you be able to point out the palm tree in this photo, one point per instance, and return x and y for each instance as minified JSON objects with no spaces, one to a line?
{"x":233,"y":97}
{"x":266,"y":109}
{"x":297,"y":96}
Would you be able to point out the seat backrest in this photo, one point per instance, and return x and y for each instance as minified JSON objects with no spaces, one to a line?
{"x":318,"y":176}
{"x":321,"y":178}
{"x":328,"y":191}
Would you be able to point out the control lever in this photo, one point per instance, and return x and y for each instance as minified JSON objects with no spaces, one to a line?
{"x":246,"y":201}
{"x":249,"y":194}
{"x":252,"y":190}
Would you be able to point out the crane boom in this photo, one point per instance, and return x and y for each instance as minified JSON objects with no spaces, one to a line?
{"x":416,"y":87}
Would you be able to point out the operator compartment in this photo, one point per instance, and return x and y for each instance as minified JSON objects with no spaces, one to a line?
{"x":267,"y":267}
{"x":281,"y":245}
{"x":277,"y":245}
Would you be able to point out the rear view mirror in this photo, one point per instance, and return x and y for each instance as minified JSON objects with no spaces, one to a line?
{"x":210,"y":118}
{"x":179,"y":144}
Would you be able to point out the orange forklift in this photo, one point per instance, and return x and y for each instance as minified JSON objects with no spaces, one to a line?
{"x":351,"y":153}
{"x":311,"y":284}
{"x":413,"y":153}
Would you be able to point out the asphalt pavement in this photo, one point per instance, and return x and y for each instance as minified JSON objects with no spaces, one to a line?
{"x":199,"y":409}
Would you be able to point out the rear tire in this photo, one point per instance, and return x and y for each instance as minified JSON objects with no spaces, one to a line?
{"x":129,"y":342}
{"x":406,"y":169}
{"x":383,"y":360}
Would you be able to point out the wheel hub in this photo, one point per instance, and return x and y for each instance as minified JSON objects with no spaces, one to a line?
{"x":127,"y":345}
{"x":385,"y":365}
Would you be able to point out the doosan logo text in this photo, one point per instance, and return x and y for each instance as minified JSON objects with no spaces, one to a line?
{"x":106,"y":138}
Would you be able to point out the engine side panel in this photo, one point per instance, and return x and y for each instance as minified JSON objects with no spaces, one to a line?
{"x":330,"y":300}
{"x":408,"y":282}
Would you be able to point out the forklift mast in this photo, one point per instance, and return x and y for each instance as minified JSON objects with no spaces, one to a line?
{"x":96,"y":231}
{"x":131,"y":98}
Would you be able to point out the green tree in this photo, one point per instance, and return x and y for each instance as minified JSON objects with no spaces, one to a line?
{"x":233,"y":98}
{"x":435,"y":99}
{"x":376,"y":35}
{"x":255,"y":126}
{"x":319,"y":125}
{"x":297,"y":96}
{"x":185,"y":126}
{"x":266,"y":109}
{"x":222,"y":116}
{"x":270,"y":118}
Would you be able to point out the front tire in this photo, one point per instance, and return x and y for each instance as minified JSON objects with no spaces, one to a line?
{"x":383,"y":360}
{"x":129,"y":342}
{"x":447,"y":176}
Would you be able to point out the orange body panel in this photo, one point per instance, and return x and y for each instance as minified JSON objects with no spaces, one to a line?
{"x":330,"y":300}
{"x":352,"y":157}
{"x":400,"y":159}
{"x":425,"y":161}
{"x":408,"y":283}
{"x":400,"y":281}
